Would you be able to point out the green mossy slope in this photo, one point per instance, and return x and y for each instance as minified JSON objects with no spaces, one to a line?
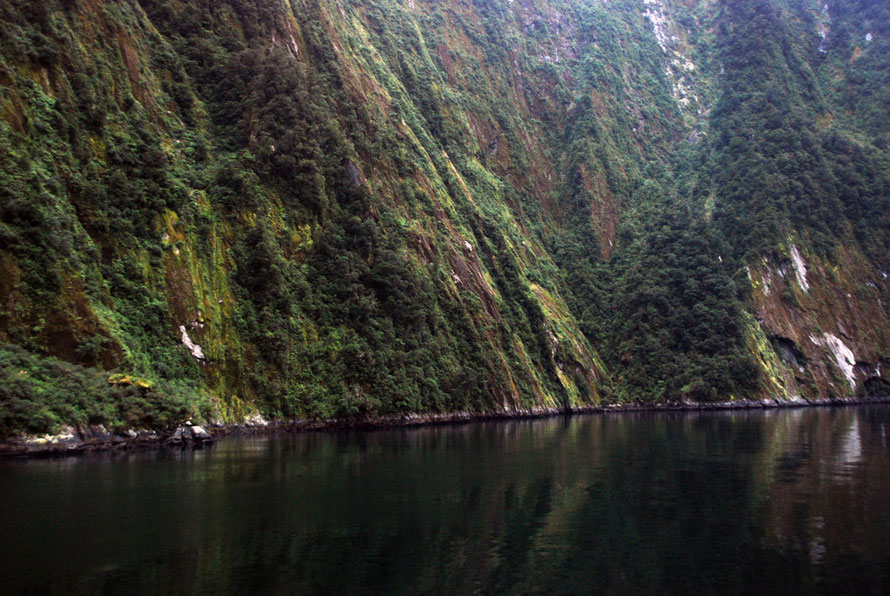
{"x":374,"y":207}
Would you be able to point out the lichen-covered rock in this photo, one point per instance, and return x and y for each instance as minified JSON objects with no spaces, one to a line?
{"x":97,"y":432}
{"x":255,"y":420}
{"x":199,"y":434}
{"x":181,"y":434}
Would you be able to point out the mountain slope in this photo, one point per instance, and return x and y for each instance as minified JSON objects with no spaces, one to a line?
{"x":364,"y":208}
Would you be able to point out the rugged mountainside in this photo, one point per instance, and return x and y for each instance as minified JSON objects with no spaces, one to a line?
{"x":373,"y":207}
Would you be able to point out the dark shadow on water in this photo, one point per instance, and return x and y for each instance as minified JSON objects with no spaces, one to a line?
{"x":785,"y":501}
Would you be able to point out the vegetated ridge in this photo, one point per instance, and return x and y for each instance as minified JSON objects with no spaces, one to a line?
{"x":365,"y":208}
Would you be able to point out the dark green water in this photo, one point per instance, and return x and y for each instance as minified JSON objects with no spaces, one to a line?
{"x":791,"y":501}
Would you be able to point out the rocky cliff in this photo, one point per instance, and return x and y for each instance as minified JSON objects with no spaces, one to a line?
{"x":359,"y":208}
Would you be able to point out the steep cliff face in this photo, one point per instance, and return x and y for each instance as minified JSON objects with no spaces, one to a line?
{"x":810,"y":222}
{"x":364,"y":208}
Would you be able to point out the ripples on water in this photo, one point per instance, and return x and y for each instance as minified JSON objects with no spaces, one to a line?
{"x":774,"y":502}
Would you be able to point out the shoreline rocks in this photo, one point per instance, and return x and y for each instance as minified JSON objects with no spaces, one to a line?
{"x":189,"y":432}
{"x":72,"y":440}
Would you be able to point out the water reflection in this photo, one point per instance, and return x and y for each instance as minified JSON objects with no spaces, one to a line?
{"x":731,"y":501}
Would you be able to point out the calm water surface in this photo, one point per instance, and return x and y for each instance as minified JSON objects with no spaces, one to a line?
{"x":794,"y":501}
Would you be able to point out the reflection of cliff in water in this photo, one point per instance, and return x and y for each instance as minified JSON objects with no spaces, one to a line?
{"x":777,"y":501}
{"x":823,"y":507}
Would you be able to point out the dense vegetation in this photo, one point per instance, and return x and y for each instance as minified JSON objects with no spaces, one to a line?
{"x":376,"y":208}
{"x":42,"y":393}
{"x":778,"y":169}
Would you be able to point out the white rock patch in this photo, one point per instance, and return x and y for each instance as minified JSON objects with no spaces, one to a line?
{"x":256,"y":419}
{"x":800,"y":268}
{"x":842,"y":355}
{"x":868,"y":37}
{"x":67,"y":434}
{"x":194,"y":348}
{"x":823,"y":28}
{"x":655,"y":13}
{"x":823,"y":33}
{"x":681,"y":67}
